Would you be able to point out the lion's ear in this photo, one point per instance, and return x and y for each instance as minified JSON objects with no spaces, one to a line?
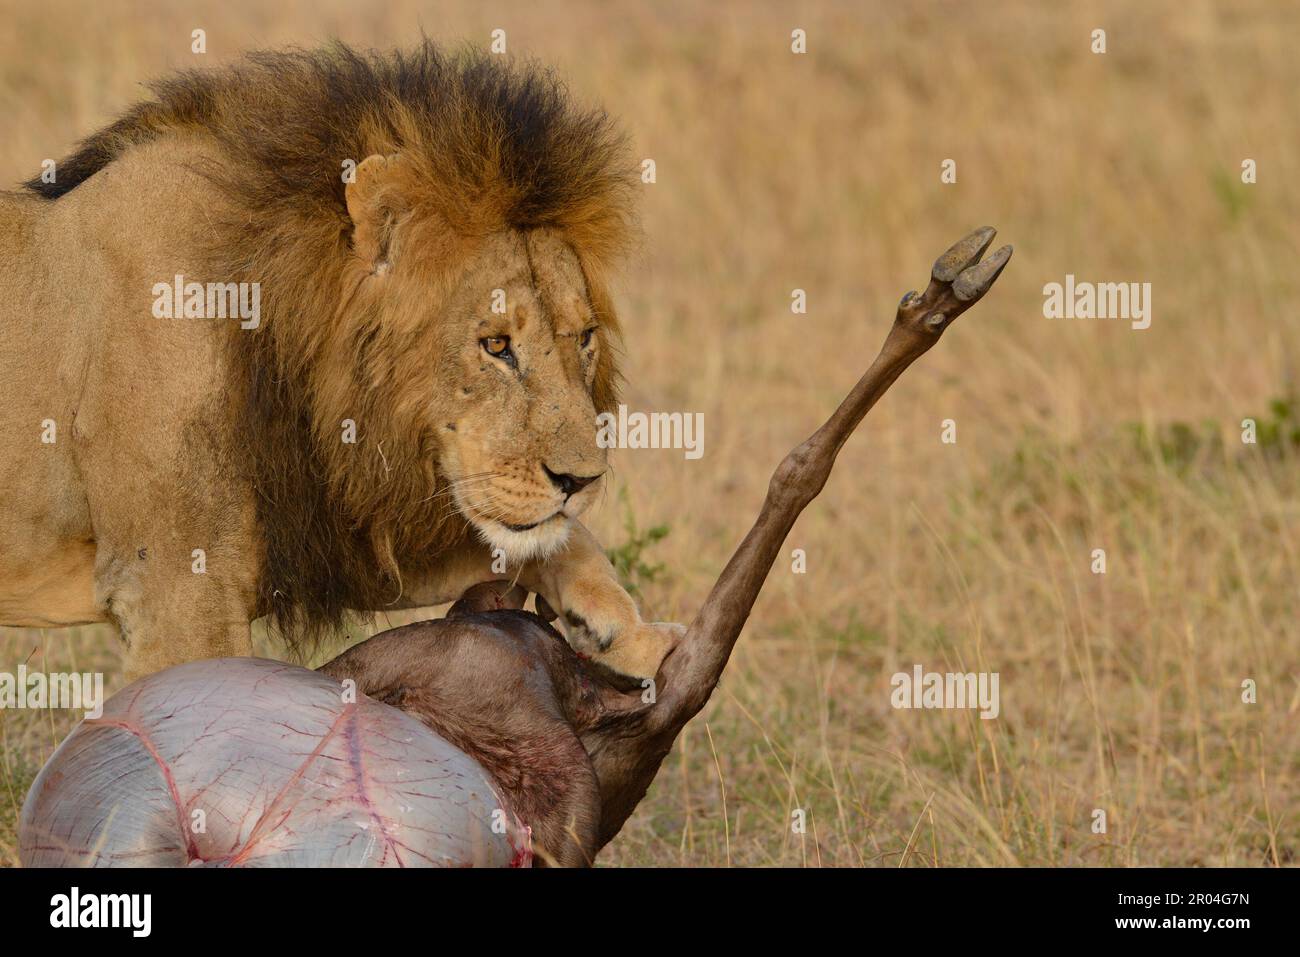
{"x":374,"y":200}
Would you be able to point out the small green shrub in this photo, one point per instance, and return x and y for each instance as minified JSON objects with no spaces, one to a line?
{"x":628,"y":558}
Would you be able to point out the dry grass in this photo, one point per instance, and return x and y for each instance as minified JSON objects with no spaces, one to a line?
{"x":822,"y":172}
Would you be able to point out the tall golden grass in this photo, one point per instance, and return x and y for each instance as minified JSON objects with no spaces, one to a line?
{"x":821,"y":172}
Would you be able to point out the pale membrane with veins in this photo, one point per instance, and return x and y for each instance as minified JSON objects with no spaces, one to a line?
{"x":244,"y":762}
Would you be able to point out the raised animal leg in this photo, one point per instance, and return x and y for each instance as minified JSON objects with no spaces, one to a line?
{"x":628,"y":749}
{"x":958,"y":280}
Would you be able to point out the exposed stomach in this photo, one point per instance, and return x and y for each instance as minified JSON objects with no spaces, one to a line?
{"x":55,"y":591}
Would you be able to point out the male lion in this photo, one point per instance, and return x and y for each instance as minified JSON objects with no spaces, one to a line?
{"x":320,"y":331}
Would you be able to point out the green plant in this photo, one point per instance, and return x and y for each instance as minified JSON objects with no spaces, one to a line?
{"x":628,"y":558}
{"x":1279,"y":429}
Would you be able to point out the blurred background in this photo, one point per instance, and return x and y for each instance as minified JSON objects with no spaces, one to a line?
{"x":821,"y":172}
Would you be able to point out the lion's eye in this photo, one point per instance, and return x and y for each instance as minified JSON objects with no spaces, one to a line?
{"x":587,"y":336}
{"x":498,"y":346}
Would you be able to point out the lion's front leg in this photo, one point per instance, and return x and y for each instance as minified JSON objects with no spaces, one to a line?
{"x":600,"y":618}
{"x":172,"y":603}
{"x":167,"y":619}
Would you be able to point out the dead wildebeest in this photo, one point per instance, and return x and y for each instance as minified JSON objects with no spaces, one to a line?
{"x":481,"y":738}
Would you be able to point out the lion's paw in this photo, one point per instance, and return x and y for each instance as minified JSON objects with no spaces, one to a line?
{"x":601,"y":623}
{"x":637,"y":651}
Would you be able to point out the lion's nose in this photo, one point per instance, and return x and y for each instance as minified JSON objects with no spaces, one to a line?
{"x":570,"y":484}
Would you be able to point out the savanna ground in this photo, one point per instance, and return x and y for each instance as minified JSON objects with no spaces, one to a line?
{"x":775,"y":171}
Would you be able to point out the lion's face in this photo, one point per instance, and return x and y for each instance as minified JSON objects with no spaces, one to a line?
{"x":517,"y":422}
{"x":502,"y":345}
